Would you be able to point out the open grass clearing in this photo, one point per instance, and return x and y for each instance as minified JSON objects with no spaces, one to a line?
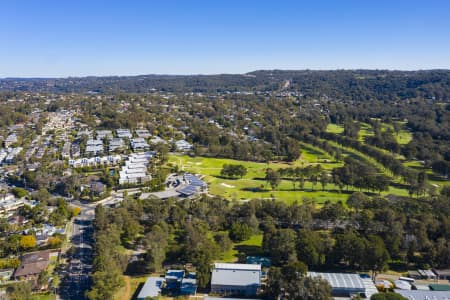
{"x":130,"y":289}
{"x":43,"y":296}
{"x":251,"y":247}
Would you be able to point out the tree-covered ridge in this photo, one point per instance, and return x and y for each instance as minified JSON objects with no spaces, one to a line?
{"x":340,"y":84}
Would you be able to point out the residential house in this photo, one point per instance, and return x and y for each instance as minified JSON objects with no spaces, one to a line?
{"x":116,"y":144}
{"x":84,"y":132}
{"x":157,"y":140}
{"x":97,"y":188}
{"x":94,"y":147}
{"x":109,"y":160}
{"x":102,"y":134}
{"x":124,"y":133}
{"x":66,"y":150}
{"x":11,"y":139}
{"x":10,"y":158}
{"x":9,"y":205}
{"x":31,"y":265}
{"x":183,"y":145}
{"x":76,"y":150}
{"x":139,"y":144}
{"x":143,"y":133}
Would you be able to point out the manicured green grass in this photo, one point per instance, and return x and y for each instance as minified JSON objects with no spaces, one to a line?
{"x":335,"y":128}
{"x":252,"y":185}
{"x":366,"y":130}
{"x":403,"y":137}
{"x":312,"y":155}
{"x":250,"y":247}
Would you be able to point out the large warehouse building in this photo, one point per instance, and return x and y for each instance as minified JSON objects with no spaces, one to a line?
{"x":236,"y":279}
{"x":345,"y":285}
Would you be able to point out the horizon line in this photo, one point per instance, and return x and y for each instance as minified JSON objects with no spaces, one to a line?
{"x":219,"y":74}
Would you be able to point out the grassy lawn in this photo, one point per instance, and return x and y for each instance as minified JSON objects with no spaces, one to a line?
{"x":366,"y":130}
{"x":403,"y":137}
{"x":130,"y":289}
{"x":335,"y":128}
{"x":249,"y":247}
{"x":252,"y":185}
{"x":43,"y":297}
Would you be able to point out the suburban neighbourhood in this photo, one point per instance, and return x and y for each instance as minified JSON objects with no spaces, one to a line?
{"x":198,"y":195}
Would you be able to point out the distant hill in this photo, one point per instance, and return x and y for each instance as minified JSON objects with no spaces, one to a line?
{"x":339,"y":84}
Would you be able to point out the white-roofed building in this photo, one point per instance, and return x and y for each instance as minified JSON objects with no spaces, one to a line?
{"x":139,"y":144}
{"x":151,"y":288}
{"x":156,"y":140}
{"x":11,"y":139}
{"x":94,"y":147}
{"x":12,"y":153}
{"x":3,"y":155}
{"x":345,"y":285}
{"x":124,"y":133}
{"x":116,"y":144}
{"x":135,"y":169}
{"x":101,"y":134}
{"x":143,"y":133}
{"x":236,"y":279}
{"x":95,"y":161}
{"x":183,"y":145}
{"x":424,"y":295}
{"x":84,"y":132}
{"x":9,"y":204}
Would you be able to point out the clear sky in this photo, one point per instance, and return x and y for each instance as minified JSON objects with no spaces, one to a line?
{"x":94,"y":37}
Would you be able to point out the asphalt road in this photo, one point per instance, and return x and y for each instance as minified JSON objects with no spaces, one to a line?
{"x":76,"y":277}
{"x":77,"y":273}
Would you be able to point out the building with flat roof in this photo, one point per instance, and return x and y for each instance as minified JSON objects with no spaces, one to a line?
{"x":236,"y":279}
{"x":151,"y":288}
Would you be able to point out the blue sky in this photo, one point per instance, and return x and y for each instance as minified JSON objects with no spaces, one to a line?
{"x":79,"y":37}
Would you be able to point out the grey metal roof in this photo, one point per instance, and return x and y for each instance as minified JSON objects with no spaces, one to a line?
{"x":151,"y":288}
{"x":341,"y":280}
{"x":236,"y":277}
{"x":188,"y":190}
{"x":160,"y":195}
{"x":424,"y":295}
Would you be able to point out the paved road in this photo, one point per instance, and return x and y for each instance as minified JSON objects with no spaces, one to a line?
{"x":79,"y":267}
{"x":76,"y":280}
